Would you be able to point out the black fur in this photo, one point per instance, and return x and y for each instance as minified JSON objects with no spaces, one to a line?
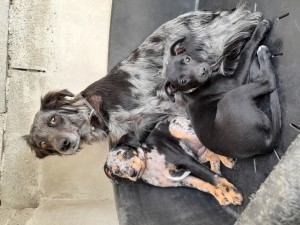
{"x":223,"y":110}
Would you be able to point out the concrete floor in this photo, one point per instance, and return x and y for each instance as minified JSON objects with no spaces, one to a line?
{"x":51,"y":45}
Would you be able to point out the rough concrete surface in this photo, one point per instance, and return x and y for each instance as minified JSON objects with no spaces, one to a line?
{"x":4,"y":6}
{"x":53,"y":45}
{"x":68,"y":212}
{"x":6,"y":215}
{"x":77,"y":177}
{"x":30,"y":29}
{"x":20,"y":171}
{"x":21,"y":217}
{"x":10,"y":216}
{"x":278,"y":199}
{"x":2,"y":124}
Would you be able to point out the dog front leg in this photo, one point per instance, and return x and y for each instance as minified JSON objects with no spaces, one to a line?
{"x":215,"y":161}
{"x":223,"y":191}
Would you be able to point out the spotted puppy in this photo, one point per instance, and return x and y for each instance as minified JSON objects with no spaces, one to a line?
{"x":172,"y":156}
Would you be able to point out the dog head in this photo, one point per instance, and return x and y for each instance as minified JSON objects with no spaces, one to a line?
{"x":126,"y":159}
{"x":60,"y":126}
{"x":186,"y":70}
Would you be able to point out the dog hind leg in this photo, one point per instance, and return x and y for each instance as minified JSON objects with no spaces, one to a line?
{"x":224,"y":192}
{"x":249,"y":51}
{"x":264,"y":58}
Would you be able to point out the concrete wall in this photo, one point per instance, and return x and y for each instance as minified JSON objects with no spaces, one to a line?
{"x":4,"y":7}
{"x":52,"y":45}
{"x":277,"y":200}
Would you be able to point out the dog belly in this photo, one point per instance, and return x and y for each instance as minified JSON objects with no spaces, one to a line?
{"x":157,"y":171}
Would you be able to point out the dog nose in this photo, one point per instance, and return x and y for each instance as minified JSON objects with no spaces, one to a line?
{"x":205,"y":69}
{"x":64,"y":144}
{"x":183,"y":80}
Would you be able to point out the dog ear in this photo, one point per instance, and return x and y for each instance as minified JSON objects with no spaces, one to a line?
{"x":169,"y":92}
{"x":109,"y":174}
{"x":54,"y":100}
{"x":177,"y":47}
{"x":39,"y":153}
{"x":130,"y":140}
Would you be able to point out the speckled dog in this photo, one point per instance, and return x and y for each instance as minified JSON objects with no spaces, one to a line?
{"x":131,"y":97}
{"x":172,"y":156}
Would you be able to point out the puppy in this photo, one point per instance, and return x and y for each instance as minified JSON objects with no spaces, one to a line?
{"x":222,"y":109}
{"x":167,"y":161}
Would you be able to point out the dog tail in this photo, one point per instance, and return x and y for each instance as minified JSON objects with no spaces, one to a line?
{"x":275,"y":120}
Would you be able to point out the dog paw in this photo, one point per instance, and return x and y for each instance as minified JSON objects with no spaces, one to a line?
{"x":263,"y":51}
{"x":228,"y":162}
{"x":227,"y":193}
{"x":262,"y":29}
{"x":266,"y":24}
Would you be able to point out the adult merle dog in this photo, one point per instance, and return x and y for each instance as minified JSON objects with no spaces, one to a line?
{"x":131,"y":97}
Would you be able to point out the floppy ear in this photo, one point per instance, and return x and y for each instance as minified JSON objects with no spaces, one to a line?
{"x":54,"y":100}
{"x":177,"y":47}
{"x":109,"y":174}
{"x":39,"y":153}
{"x":169,"y":92}
{"x":130,"y":140}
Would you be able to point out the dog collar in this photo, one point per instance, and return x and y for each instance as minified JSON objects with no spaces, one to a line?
{"x":94,"y":112}
{"x":191,"y":90}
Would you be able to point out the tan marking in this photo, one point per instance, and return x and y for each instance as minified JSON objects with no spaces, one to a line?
{"x":43,"y":145}
{"x":114,"y":168}
{"x":213,"y":159}
{"x":228,"y":162}
{"x":224,"y":192}
{"x":207,"y":187}
{"x":182,"y":135}
{"x":136,"y":165}
{"x":120,"y":157}
{"x":230,"y":191}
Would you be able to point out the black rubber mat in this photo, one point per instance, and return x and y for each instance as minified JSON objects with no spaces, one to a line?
{"x":142,"y":204}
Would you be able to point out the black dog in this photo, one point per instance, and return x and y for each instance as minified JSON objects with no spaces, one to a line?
{"x":223,"y":110}
{"x":171,"y":157}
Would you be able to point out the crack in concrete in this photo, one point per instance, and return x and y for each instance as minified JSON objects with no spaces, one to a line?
{"x":27,"y":70}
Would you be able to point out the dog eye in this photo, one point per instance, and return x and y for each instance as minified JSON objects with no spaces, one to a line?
{"x":118,"y":173}
{"x":183,"y":81}
{"x":43,"y":144}
{"x":187,"y":59}
{"x":125,"y":155}
{"x":54,"y":120}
